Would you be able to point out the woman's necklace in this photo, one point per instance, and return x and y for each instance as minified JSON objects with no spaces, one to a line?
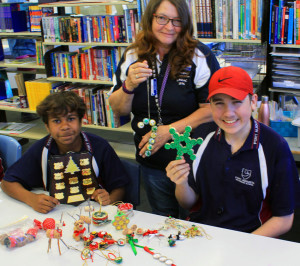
{"x":158,"y":101}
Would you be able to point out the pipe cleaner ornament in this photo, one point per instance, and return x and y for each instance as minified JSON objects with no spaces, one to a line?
{"x":178,"y":139}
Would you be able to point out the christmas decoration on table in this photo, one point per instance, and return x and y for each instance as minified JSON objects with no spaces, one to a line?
{"x":174,"y":223}
{"x":160,"y":257}
{"x":100,"y":217}
{"x":54,"y":234}
{"x":79,"y":230}
{"x":173,"y":238}
{"x":194,"y":231}
{"x":120,"y":221}
{"x":183,"y":143}
{"x":152,"y":233}
{"x":106,"y":240}
{"x":126,"y":208}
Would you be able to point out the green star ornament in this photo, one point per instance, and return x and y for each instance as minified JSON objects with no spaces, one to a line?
{"x":183,"y":143}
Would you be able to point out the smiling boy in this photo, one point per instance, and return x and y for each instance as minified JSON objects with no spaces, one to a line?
{"x":244,"y":177}
{"x":71,"y":164}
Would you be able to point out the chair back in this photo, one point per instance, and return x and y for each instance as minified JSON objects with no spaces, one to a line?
{"x":132,"y":194}
{"x":10,"y":150}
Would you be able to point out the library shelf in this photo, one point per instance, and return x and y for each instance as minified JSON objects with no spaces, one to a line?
{"x":21,"y":34}
{"x":285,"y":45}
{"x":113,"y":44}
{"x":81,"y":80}
{"x":286,"y":91}
{"x":123,"y":150}
{"x":14,"y":109}
{"x":230,"y":40}
{"x":30,"y":65}
{"x":91,"y":3}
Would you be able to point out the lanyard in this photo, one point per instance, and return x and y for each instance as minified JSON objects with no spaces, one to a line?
{"x":158,"y":98}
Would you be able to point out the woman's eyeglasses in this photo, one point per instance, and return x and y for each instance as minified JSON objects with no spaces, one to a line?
{"x":162,"y":20}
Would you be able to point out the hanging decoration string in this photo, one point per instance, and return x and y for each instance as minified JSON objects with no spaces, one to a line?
{"x":158,"y":101}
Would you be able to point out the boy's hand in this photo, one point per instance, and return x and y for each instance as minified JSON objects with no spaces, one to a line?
{"x":178,"y":171}
{"x":103,"y":195}
{"x":42,"y":203}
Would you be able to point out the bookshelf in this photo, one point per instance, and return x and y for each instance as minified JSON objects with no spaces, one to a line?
{"x":284,"y":70}
{"x":120,"y":138}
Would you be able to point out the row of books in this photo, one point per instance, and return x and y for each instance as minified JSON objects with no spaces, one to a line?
{"x":39,"y":50}
{"x":98,"y":111}
{"x":78,"y":28}
{"x":16,"y":17}
{"x":205,"y":19}
{"x":12,"y":18}
{"x":97,"y":63}
{"x":284,"y":22}
{"x":229,"y":19}
{"x":36,"y":14}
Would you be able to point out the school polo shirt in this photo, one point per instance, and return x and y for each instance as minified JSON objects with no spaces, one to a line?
{"x":28,"y":170}
{"x":241,"y":191}
{"x":181,"y":97}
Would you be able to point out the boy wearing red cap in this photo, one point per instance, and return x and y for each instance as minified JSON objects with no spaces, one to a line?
{"x":244,"y":177}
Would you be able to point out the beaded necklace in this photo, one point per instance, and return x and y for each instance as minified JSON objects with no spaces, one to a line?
{"x":152,"y":83}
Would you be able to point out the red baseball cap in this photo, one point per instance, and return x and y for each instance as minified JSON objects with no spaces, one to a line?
{"x":231,"y":80}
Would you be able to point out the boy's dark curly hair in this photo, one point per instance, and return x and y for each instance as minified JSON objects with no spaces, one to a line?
{"x":61,"y":103}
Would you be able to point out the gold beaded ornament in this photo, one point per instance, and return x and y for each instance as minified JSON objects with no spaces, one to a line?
{"x":121,"y":220}
{"x":178,"y":139}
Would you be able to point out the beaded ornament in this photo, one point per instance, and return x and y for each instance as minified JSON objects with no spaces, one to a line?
{"x":178,"y":139}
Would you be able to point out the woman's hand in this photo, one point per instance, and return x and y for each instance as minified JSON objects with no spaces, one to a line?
{"x":178,"y":171}
{"x":162,"y":136}
{"x":137,"y":73}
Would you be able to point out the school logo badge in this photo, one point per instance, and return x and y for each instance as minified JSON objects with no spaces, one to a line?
{"x":245,"y":175}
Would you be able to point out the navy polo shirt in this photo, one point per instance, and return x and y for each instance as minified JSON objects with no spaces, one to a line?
{"x":243,"y":190}
{"x":28,"y":170}
{"x":180,"y":99}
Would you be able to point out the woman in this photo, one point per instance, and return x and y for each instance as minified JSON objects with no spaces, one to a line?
{"x":163,"y":78}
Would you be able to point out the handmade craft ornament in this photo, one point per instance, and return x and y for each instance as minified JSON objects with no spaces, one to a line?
{"x":120,"y":221}
{"x":79,"y":230}
{"x":49,"y":223}
{"x":111,"y":256}
{"x":56,"y":234}
{"x":126,"y":208}
{"x":196,"y":231}
{"x":87,"y":254}
{"x":160,"y":257}
{"x":100,"y":217}
{"x":179,"y":139}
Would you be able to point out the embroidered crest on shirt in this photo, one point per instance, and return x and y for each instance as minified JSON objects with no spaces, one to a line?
{"x":245,"y":175}
{"x":184,"y":75}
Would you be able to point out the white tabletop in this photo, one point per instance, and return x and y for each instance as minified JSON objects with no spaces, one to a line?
{"x":225,"y":248}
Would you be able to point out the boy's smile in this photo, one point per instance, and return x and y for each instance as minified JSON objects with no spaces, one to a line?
{"x":232,"y":115}
{"x":65,"y":130}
